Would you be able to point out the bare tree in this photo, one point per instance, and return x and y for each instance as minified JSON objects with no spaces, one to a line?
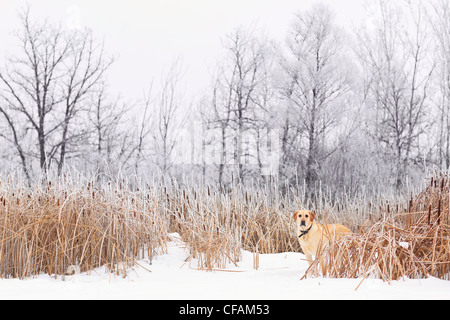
{"x":167,"y":117}
{"x":85,"y":66}
{"x":218,"y":116}
{"x":16,"y":141}
{"x":246,"y":59}
{"x":315,"y":88}
{"x":440,"y":20}
{"x":106,"y":120}
{"x":30,"y":82}
{"x":238,"y":100}
{"x":44,"y":88}
{"x":400,"y":72}
{"x":144,"y":129}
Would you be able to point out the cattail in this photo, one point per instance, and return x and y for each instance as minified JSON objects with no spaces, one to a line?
{"x":439,"y":212}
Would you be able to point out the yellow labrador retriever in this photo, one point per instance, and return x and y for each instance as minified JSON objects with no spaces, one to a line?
{"x":313,"y":236}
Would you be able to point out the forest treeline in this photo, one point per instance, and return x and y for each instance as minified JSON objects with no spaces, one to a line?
{"x":356,"y":110}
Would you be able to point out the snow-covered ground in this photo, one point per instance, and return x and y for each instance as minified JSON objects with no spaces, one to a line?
{"x":278,"y":277}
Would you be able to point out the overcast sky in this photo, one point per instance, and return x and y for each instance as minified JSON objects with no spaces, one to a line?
{"x":148,"y":35}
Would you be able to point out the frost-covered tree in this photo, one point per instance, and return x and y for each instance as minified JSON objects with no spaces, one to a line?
{"x":315,"y":89}
{"x":393,"y":53}
{"x":45,"y":88}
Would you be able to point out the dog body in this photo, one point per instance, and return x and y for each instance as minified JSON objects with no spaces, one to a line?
{"x":313,"y":236}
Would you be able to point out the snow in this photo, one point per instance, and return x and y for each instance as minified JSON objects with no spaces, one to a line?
{"x":404,"y":244}
{"x":278,"y":277}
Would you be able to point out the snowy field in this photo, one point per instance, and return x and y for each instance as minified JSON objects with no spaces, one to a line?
{"x":171,"y":278}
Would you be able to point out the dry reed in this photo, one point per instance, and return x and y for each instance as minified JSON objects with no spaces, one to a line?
{"x":411,"y":244}
{"x":74,"y":224}
{"x":62,"y":227}
{"x":217,"y":225}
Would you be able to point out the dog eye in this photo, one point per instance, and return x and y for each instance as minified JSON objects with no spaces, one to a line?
{"x":306,"y":216}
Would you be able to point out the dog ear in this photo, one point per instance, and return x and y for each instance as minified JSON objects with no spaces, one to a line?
{"x":313,"y":215}
{"x":295,"y":215}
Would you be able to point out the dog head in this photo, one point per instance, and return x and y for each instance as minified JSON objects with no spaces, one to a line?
{"x":304,"y":219}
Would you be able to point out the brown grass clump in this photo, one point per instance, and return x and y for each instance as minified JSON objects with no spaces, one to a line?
{"x":216,"y":226}
{"x":77,"y":225}
{"x":59,"y":228}
{"x":413,"y":244}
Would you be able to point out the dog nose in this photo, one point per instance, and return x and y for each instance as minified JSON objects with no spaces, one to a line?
{"x":302,"y":223}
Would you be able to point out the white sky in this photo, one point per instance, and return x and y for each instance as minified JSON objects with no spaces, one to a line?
{"x":148,"y":35}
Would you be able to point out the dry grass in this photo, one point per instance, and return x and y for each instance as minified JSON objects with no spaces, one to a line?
{"x":217,"y":225}
{"x":412,"y":244}
{"x":59,"y":228}
{"x":76,"y":224}
{"x":68,"y":225}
